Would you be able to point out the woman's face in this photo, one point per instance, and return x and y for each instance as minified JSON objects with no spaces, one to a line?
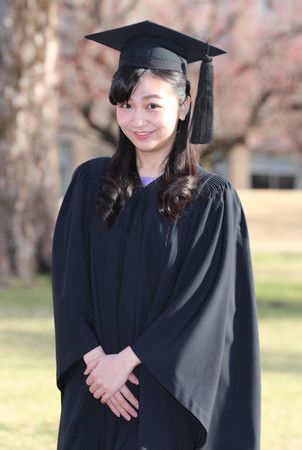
{"x":149,"y":119}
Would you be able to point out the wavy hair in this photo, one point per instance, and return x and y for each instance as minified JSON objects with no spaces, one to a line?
{"x":120,"y":177}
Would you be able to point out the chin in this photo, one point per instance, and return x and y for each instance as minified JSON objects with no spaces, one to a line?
{"x":142,"y":148}
{"x":146,"y":145}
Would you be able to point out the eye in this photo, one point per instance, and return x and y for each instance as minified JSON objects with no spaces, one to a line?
{"x":124,"y":105}
{"x":153,"y":106}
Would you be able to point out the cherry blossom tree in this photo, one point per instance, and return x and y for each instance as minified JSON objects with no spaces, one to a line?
{"x":257,"y":99}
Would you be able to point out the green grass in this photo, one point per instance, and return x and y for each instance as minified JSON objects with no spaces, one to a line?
{"x":279,"y":298}
{"x":30,"y":401}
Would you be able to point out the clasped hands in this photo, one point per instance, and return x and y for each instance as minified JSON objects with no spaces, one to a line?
{"x":107,"y":375}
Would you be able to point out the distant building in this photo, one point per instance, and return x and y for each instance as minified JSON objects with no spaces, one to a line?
{"x":262,"y":170}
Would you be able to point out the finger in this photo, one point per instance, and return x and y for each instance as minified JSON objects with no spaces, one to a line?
{"x":133,"y":378}
{"x":90,"y":379}
{"x":129,"y":396}
{"x":90,"y":366}
{"x":113,"y":408}
{"x":120,"y":408}
{"x":106,"y":396}
{"x":98,"y":392}
{"x":123,"y":402}
{"x":94,"y":387}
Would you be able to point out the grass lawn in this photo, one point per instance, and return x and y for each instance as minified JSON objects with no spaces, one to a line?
{"x":279,"y":296}
{"x":29,"y":402}
{"x":29,"y":399}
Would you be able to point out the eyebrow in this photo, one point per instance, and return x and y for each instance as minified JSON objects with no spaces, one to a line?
{"x":146,"y":97}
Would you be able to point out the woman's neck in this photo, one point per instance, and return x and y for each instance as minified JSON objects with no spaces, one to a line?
{"x":150,"y":165}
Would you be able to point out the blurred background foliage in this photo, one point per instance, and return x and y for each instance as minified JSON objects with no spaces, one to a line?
{"x":54,"y":110}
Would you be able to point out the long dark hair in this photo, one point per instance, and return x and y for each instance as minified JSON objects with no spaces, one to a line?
{"x":120,"y":177}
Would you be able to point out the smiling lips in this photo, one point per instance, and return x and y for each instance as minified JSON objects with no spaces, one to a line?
{"x":142,"y":134}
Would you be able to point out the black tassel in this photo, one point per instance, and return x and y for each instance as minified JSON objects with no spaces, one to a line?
{"x":202,"y":119}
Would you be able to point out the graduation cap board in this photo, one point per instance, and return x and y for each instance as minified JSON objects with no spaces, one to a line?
{"x":152,"y":46}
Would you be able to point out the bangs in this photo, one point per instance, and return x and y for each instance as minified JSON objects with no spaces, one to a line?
{"x":123,"y":83}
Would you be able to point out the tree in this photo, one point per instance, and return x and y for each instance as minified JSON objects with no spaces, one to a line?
{"x":257,"y":100}
{"x":258,"y":96}
{"x":28,"y":157}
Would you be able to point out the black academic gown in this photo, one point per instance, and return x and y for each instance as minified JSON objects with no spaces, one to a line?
{"x":181,"y":295}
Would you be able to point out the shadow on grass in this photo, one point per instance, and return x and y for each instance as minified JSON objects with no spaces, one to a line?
{"x":279,"y":309}
{"x":30,"y":343}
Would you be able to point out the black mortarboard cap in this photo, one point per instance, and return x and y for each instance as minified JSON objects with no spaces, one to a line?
{"x":153,"y":46}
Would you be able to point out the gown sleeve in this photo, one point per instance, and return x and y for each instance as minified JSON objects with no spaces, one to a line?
{"x":203,"y":348}
{"x":72,"y":307}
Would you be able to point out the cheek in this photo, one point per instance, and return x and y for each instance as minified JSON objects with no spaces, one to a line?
{"x":121,"y":117}
{"x":169,"y":120}
{"x":169,"y":116}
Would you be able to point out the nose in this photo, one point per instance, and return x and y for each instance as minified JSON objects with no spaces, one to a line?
{"x":137,"y":119}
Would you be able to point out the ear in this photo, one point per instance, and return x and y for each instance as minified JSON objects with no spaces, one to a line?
{"x":184,"y":108}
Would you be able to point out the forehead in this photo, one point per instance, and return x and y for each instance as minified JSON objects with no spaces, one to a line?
{"x":149,"y":85}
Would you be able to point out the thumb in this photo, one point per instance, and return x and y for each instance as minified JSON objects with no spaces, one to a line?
{"x":90,"y":366}
{"x":133,"y":378}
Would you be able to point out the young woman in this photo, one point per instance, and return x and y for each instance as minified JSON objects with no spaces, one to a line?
{"x":154,"y":305}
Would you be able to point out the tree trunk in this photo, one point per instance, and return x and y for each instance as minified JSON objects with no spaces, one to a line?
{"x":28,"y":149}
{"x":239,"y":166}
